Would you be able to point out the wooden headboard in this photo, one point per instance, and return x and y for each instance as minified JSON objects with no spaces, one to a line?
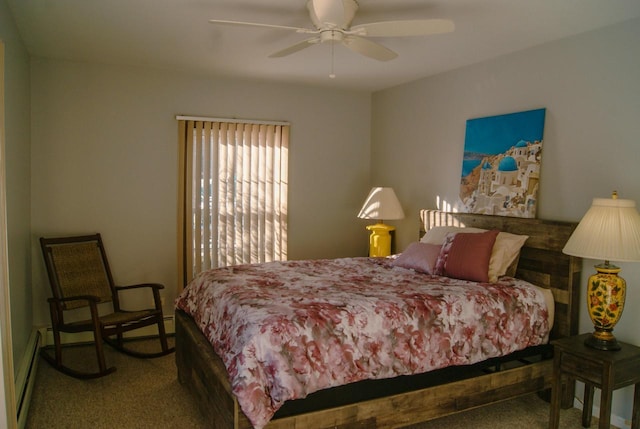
{"x":541,"y":259}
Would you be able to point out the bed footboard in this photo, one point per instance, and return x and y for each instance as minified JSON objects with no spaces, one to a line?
{"x":202,"y":371}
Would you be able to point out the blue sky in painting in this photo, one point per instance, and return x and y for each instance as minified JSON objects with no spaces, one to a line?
{"x":496,"y":134}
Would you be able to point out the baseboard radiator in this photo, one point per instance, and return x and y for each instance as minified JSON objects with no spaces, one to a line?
{"x":26,"y":377}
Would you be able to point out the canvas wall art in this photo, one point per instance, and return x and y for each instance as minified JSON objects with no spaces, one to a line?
{"x":501,"y":164}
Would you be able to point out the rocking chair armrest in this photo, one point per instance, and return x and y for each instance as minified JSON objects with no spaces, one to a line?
{"x":155,"y":289}
{"x":157,"y":286}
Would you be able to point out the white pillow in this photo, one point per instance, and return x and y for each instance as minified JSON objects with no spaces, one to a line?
{"x":505,"y":250}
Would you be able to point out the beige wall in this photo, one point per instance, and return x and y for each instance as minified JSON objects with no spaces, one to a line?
{"x":18,"y":172}
{"x":104,"y":158}
{"x":590,"y":86}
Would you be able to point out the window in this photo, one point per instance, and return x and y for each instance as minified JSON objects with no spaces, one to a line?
{"x":233,"y":193}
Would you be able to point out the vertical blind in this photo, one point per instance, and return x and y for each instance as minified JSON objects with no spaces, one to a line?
{"x":233,"y":193}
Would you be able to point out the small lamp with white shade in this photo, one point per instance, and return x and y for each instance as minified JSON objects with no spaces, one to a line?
{"x":381,"y":204}
{"x":609,"y":231}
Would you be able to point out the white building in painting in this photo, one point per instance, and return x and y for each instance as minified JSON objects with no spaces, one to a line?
{"x":508,"y":182}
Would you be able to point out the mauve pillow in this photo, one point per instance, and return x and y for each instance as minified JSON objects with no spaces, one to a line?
{"x":418,"y":256}
{"x":504,"y":255}
{"x":469,"y":256}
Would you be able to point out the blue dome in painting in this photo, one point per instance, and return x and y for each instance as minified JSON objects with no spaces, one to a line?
{"x":508,"y":163}
{"x":521,"y":143}
{"x":486,"y":166}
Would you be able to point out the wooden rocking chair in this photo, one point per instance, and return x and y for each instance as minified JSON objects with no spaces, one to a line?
{"x":79,"y":276}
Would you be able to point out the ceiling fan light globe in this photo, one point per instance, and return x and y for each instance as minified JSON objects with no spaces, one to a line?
{"x":332,"y":13}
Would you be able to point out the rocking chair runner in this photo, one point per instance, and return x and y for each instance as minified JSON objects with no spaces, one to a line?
{"x":79,"y":276}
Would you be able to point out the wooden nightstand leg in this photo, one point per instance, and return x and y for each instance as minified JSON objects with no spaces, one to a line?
{"x":587,"y":407}
{"x":568,"y":393}
{"x":606,"y":395}
{"x":635,"y":418}
{"x":605,"y":409}
{"x":556,"y":393}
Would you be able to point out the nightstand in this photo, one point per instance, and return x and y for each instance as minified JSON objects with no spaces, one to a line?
{"x":607,"y":370}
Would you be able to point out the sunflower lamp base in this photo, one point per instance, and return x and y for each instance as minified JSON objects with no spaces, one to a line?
{"x":605,"y":302}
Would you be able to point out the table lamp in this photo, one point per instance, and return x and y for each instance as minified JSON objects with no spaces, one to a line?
{"x":381,"y":204}
{"x":609,"y":231}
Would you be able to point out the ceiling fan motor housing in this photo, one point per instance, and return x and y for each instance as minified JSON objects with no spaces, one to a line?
{"x":331,"y":36}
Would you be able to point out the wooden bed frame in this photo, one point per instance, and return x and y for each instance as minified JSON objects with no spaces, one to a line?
{"x":541,"y":262}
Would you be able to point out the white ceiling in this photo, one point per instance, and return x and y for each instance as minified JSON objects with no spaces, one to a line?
{"x":176,"y":35}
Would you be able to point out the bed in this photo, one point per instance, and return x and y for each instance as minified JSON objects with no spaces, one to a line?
{"x":405,"y":400}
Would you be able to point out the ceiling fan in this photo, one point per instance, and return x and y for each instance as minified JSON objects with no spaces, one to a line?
{"x":332,"y":23}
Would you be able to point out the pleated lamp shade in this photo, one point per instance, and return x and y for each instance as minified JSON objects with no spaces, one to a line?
{"x":610,"y":231}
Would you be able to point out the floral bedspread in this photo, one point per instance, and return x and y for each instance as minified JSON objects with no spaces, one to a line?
{"x":287,"y":329}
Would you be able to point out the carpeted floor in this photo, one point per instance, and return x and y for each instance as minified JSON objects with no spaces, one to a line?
{"x":146,"y":394}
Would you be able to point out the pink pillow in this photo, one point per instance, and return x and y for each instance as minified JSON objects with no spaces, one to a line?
{"x":418,"y":256}
{"x":468,"y":256}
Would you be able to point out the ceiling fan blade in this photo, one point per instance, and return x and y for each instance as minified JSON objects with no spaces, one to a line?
{"x":417,"y":27}
{"x":328,"y":12}
{"x":255,"y":24}
{"x":368,"y":48}
{"x":295,"y":48}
